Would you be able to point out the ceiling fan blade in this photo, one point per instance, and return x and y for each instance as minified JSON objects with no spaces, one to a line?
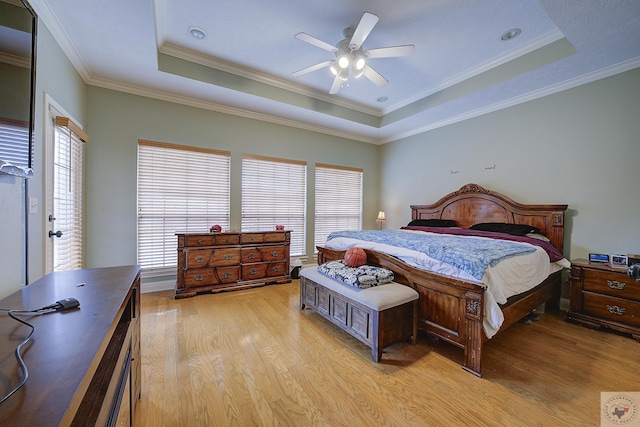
{"x":312,"y":68}
{"x":335,"y":87}
{"x":366,"y":24}
{"x":374,"y":76}
{"x":316,"y":42}
{"x":391,"y":51}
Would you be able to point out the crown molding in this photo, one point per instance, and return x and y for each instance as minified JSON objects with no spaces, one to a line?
{"x":221,"y":108}
{"x":540,"y":93}
{"x":46,"y":15}
{"x":531,"y":46}
{"x":15,"y":60}
{"x":261,"y":77}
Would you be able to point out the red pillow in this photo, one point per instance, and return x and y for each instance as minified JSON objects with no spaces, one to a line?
{"x":355,"y":257}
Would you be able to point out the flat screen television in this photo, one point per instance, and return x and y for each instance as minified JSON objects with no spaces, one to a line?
{"x":18,"y":28}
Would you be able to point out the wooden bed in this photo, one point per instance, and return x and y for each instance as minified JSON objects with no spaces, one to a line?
{"x":452,"y":309}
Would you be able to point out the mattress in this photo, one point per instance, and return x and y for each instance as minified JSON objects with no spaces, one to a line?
{"x":509,"y":277}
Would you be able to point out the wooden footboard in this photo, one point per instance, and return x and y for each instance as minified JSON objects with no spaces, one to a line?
{"x":452,"y":309}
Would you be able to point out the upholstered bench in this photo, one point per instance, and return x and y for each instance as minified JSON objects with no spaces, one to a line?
{"x":378,"y":316}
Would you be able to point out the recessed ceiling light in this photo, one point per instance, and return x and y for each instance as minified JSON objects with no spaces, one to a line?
{"x":382,"y":99}
{"x":511,"y":34}
{"x":197,"y":33}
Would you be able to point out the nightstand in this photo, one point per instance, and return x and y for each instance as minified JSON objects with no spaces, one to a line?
{"x":603,"y":296}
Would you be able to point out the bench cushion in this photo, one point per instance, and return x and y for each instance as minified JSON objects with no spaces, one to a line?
{"x":377,"y":298}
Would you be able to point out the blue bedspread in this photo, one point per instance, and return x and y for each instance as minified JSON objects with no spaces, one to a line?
{"x":470,"y":255}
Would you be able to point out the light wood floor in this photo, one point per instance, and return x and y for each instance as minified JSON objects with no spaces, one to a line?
{"x":252,"y":358}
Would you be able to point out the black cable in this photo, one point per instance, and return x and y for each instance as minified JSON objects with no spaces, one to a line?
{"x":23,"y":366}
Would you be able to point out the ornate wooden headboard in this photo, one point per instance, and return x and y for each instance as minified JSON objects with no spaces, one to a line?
{"x":473,"y":204}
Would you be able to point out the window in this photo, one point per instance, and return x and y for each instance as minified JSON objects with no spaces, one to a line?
{"x":338,"y":200}
{"x":68,"y":160}
{"x":274,"y":192}
{"x":14,"y":142}
{"x":180,"y":189}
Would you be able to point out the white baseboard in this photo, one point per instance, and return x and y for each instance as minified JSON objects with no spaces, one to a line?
{"x":164,"y":285}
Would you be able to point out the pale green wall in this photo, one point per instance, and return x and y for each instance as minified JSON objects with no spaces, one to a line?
{"x":117,"y":120}
{"x":56,"y":76}
{"x":580,"y":147}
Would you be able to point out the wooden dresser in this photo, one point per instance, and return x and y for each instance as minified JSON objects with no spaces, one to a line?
{"x":84,"y":363}
{"x":603,"y":296}
{"x":214,"y":262}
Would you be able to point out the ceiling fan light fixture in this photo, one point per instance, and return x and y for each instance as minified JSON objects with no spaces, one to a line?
{"x":343,"y":61}
{"x":349,"y":58}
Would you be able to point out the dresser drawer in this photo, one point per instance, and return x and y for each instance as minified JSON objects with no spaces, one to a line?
{"x":609,"y":283}
{"x":211,"y":276}
{"x":226,"y":239}
{"x":229,"y":256}
{"x":272,"y":253}
{"x":275,"y":237}
{"x":611,"y":308}
{"x":197,"y":259}
{"x":251,"y":238}
{"x":198,"y":240}
{"x":276,"y":269}
{"x":266,"y":253}
{"x":227,"y":274}
{"x":254,"y":271}
{"x":199,"y":277}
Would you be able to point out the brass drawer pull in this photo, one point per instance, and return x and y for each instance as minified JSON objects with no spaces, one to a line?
{"x":199,"y":258}
{"x":251,"y":256}
{"x":614,"y":284}
{"x":199,"y":240}
{"x":274,"y":253}
{"x":198,"y":277}
{"x":253,"y":271}
{"x":226,"y":275}
{"x":276,"y":269}
{"x":228,"y":257}
{"x":614,"y":309}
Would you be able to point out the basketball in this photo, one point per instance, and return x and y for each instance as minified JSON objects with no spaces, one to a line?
{"x":355,"y":257}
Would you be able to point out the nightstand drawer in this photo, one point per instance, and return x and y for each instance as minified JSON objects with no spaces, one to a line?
{"x":615,"y":309}
{"x":611,"y":283}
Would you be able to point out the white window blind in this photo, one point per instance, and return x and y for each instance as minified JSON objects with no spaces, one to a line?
{"x":14,"y":142}
{"x":338,"y":193}
{"x":274,"y":192}
{"x":67,"y":196}
{"x":180,"y":189}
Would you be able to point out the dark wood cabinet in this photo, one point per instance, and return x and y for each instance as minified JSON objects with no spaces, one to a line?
{"x":603,"y":296}
{"x":84,"y":364}
{"x":215,"y":262}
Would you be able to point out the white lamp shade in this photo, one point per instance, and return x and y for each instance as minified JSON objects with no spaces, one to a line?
{"x":381,"y":216}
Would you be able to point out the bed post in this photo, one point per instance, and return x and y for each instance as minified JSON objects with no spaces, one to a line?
{"x":475,"y":338}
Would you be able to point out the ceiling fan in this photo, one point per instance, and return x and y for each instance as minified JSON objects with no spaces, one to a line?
{"x":350,"y":58}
